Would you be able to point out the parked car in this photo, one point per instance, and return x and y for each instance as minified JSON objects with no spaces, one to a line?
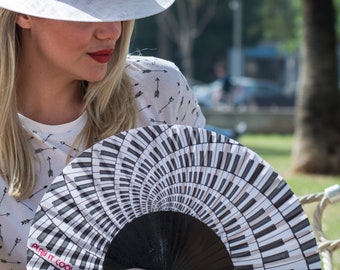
{"x":245,"y":91}
{"x":255,"y":92}
{"x":207,"y":93}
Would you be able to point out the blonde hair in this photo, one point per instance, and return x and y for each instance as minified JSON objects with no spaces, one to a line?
{"x":109,"y":103}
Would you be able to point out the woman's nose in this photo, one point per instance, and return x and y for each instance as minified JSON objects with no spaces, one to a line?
{"x":108,"y":30}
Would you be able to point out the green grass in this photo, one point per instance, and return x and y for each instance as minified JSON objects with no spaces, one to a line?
{"x":276,"y":149}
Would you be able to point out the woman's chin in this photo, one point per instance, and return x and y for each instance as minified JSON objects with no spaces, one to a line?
{"x":95,"y":78}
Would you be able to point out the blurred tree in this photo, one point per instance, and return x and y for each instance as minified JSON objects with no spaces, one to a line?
{"x":279,"y":21}
{"x":183,"y":23}
{"x":212,"y":35}
{"x":317,"y":129}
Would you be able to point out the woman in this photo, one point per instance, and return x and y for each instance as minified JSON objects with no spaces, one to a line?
{"x":66,"y":81}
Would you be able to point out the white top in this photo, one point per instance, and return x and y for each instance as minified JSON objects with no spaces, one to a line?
{"x":162,"y":96}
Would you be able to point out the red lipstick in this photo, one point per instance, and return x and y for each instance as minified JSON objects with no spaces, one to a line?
{"x":102,"y":56}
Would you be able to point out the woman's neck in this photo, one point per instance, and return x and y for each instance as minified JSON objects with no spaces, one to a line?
{"x":49,"y":101}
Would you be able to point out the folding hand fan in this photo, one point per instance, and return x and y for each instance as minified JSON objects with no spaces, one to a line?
{"x":170,"y":197}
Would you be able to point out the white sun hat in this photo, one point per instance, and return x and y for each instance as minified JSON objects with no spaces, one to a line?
{"x":88,"y":10}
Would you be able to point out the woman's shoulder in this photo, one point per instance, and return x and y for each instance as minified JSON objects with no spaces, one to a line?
{"x":162,"y":93}
{"x":150,"y":65}
{"x":146,"y":71}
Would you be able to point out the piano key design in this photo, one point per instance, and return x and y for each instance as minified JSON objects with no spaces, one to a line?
{"x":171,"y":168}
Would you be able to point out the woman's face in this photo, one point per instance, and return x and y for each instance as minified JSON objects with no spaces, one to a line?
{"x":72,"y":50}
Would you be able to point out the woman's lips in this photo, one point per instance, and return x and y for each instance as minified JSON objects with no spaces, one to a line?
{"x":102,"y":56}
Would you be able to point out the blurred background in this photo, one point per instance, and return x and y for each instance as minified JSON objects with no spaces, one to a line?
{"x":268,"y":69}
{"x":256,"y":43}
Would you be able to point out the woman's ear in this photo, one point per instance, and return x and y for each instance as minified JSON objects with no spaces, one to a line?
{"x":24,"y":21}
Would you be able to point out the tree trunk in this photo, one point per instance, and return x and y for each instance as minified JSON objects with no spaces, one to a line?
{"x":317,"y":122}
{"x":163,"y":42}
{"x":183,"y":24}
{"x":185,"y":47}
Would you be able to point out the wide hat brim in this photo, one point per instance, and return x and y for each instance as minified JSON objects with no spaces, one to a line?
{"x":89,"y":10}
{"x":158,"y":169}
